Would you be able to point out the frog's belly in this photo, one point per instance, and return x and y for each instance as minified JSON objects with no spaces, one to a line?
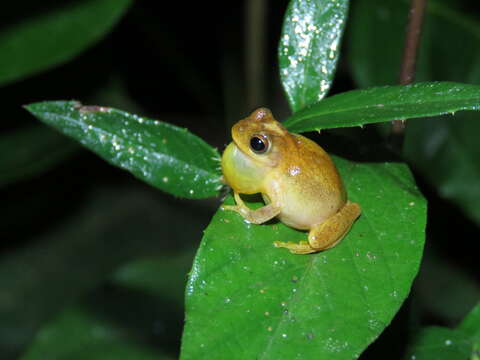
{"x":302,"y":213}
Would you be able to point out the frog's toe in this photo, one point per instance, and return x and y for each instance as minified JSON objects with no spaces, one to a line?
{"x":302,"y":247}
{"x":229,"y":207}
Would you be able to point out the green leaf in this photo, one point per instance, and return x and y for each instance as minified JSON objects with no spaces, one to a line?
{"x":54,"y":37}
{"x":143,"y":275}
{"x":76,"y":334}
{"x":165,"y":156}
{"x":443,"y":150}
{"x":439,"y":273}
{"x":448,"y":50}
{"x":246,"y":299}
{"x":309,"y":48}
{"x":446,"y":152}
{"x":31,"y":151}
{"x":376,"y":39}
{"x":471,"y":324}
{"x":113,"y":228}
{"x":380,"y":104}
{"x":438,"y":343}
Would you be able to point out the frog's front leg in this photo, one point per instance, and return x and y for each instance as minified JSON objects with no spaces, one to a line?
{"x":258,"y":216}
{"x":327,"y":234}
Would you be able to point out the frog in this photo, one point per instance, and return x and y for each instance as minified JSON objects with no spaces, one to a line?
{"x":298,"y":181}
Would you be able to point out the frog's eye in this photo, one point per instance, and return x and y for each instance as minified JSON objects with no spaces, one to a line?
{"x":259,"y":144}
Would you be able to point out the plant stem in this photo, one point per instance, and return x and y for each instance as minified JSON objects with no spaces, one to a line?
{"x":412,"y":40}
{"x":255,"y":14}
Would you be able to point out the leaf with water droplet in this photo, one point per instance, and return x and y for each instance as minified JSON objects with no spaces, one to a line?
{"x":165,"y":156}
{"x":309,"y":48}
{"x":433,"y":343}
{"x":386,"y":103}
{"x":328,"y":305}
{"x":443,"y":150}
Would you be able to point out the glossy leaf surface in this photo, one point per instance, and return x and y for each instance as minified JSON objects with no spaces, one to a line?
{"x":309,"y":48}
{"x":380,"y":104}
{"x":438,"y":343}
{"x":444,"y":150}
{"x":163,"y":155}
{"x":246,"y":299}
{"x":448,"y":48}
{"x":76,"y":334}
{"x":31,"y":151}
{"x":54,"y":37}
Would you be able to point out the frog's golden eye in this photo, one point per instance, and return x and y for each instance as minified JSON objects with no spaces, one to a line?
{"x":259,"y":144}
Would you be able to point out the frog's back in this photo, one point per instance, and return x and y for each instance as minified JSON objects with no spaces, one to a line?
{"x":309,"y":185}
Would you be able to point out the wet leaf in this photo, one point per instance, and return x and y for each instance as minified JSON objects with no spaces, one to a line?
{"x":448,"y":50}
{"x":246,"y":299}
{"x":32,"y":151}
{"x":443,"y":150}
{"x":76,"y":334}
{"x":40,"y":42}
{"x":439,"y":343}
{"x":165,"y":156}
{"x":380,"y":104}
{"x":309,"y":48}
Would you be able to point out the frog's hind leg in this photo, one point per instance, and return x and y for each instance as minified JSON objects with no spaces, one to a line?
{"x":327,"y":234}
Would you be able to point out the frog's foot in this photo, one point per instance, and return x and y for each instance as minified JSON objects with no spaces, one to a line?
{"x":302,"y":247}
{"x":258,"y":216}
{"x":329,"y":233}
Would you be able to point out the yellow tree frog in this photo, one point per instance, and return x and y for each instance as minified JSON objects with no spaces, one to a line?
{"x":296,"y":178}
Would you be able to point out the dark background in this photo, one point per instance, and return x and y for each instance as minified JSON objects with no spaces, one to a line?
{"x":66,"y":229}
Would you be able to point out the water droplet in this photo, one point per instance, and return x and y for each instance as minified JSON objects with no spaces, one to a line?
{"x":165,"y":179}
{"x":267,"y":313}
{"x":227,"y":300}
{"x":284,"y":336}
{"x":448,"y":342}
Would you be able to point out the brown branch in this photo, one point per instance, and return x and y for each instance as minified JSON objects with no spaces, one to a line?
{"x":255,"y":12}
{"x":412,"y":41}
